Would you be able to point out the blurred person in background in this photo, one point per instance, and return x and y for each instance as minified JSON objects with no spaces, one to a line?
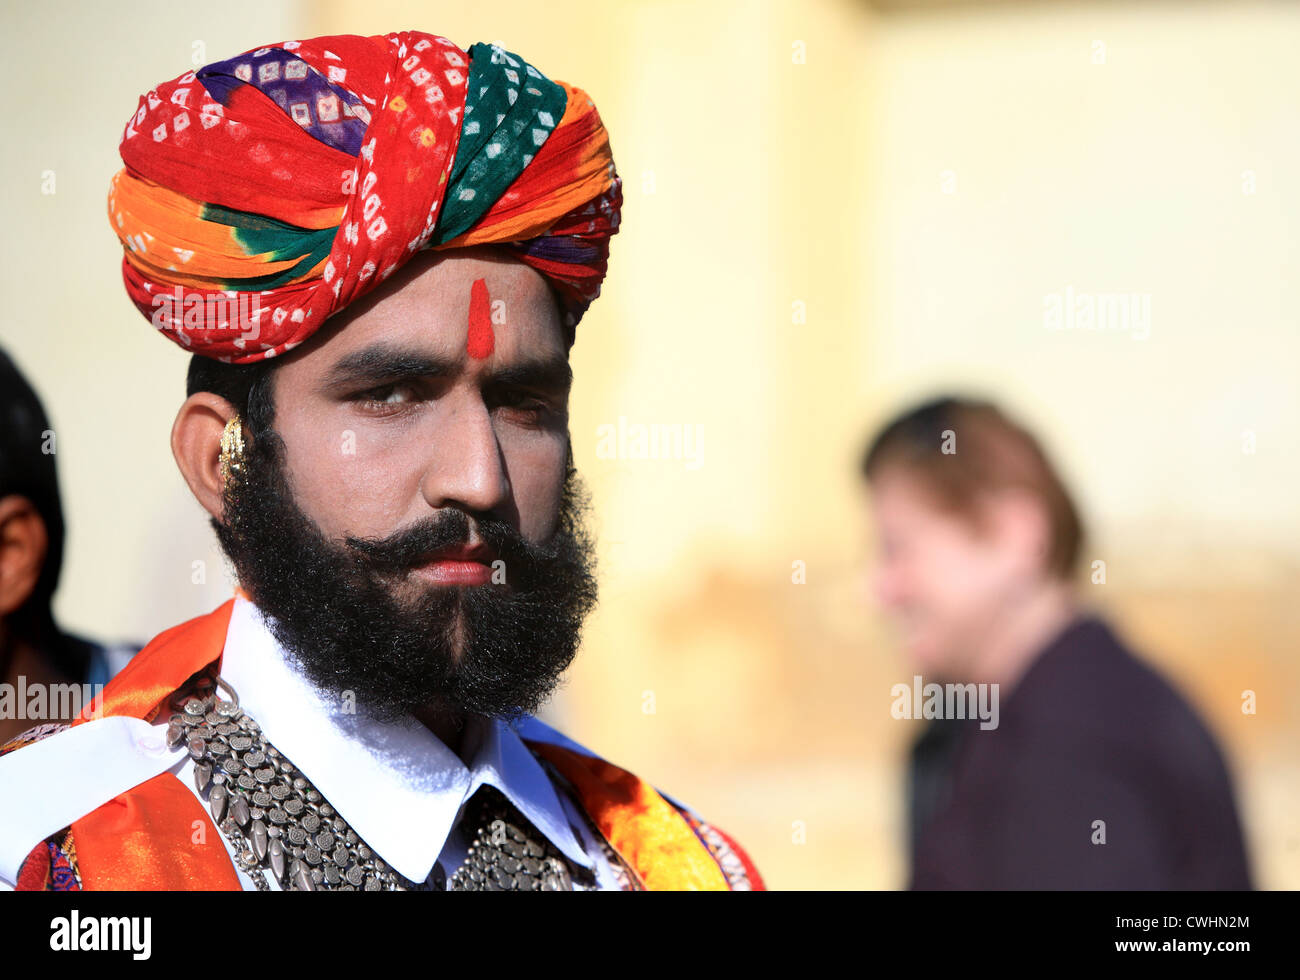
{"x":1095,"y":773}
{"x":42,"y":668}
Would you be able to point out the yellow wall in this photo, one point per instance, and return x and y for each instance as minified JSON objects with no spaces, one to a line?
{"x":760,"y":175}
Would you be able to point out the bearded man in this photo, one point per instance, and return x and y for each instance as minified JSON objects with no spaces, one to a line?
{"x":377,"y":251}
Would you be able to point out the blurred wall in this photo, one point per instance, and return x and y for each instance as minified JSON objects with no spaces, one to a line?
{"x":1028,"y":158}
{"x":832,"y":209}
{"x":75,"y":73}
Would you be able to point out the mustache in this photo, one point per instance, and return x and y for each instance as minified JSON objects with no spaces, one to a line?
{"x":417,"y":543}
{"x":495,"y":651}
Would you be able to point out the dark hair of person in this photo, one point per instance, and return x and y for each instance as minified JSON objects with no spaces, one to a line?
{"x":246,"y":386}
{"x":27,"y":470}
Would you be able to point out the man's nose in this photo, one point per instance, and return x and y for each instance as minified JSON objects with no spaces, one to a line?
{"x":466,"y":468}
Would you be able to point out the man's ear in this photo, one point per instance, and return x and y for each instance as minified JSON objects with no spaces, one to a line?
{"x":196,"y":444}
{"x":24,"y":543}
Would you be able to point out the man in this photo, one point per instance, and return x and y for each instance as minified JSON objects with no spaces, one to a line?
{"x":422,"y":227}
{"x":1091,"y":772}
{"x":46,"y":674}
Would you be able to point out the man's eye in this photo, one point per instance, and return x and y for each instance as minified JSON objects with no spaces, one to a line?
{"x":393,"y":395}
{"x":387,"y":397}
{"x":525,"y":404}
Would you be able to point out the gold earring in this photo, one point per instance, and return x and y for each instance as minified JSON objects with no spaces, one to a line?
{"x":232,"y":449}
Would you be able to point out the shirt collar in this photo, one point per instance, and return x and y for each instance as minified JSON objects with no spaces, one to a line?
{"x":395,"y":783}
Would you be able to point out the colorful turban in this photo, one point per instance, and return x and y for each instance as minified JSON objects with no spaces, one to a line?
{"x":294,"y":178}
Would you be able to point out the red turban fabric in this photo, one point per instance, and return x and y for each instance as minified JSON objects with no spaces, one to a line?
{"x":264,"y":193}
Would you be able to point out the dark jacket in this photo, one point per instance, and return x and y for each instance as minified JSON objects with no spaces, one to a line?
{"x":1088,"y":734}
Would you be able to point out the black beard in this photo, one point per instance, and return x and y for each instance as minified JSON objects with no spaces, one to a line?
{"x":496,"y":650}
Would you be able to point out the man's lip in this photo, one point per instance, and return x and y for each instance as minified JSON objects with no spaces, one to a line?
{"x":459,"y":565}
{"x":460,"y":553}
{"x":450,"y":572}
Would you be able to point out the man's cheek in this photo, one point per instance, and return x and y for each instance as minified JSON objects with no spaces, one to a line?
{"x":538,"y":498}
{"x":345,"y":494}
{"x":369,"y":500}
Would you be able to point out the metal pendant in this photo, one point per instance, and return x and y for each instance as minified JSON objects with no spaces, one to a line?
{"x":280,"y":825}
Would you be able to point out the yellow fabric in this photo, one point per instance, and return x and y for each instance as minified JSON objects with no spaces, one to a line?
{"x":644,"y":828}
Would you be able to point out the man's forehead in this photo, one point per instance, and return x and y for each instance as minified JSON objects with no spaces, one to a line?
{"x":472,"y":305}
{"x":444,"y":278}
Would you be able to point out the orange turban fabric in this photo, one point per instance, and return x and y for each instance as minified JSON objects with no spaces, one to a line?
{"x":264,"y":193}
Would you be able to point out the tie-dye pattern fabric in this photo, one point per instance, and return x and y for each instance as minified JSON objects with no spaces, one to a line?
{"x":298,"y":176}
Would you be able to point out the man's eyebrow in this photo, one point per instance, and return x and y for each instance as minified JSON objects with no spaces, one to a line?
{"x":381,"y":362}
{"x":551,"y":374}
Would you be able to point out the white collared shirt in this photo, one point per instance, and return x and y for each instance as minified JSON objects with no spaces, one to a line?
{"x":396,"y":784}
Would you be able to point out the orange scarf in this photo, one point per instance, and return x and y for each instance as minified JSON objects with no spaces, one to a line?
{"x":158,"y":836}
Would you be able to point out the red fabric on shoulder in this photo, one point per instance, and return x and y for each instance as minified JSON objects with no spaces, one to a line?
{"x":156,"y":836}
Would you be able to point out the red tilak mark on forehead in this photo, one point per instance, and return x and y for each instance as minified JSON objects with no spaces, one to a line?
{"x":480,"y":340}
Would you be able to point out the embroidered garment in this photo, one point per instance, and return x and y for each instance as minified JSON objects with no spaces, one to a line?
{"x":593,"y":813}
